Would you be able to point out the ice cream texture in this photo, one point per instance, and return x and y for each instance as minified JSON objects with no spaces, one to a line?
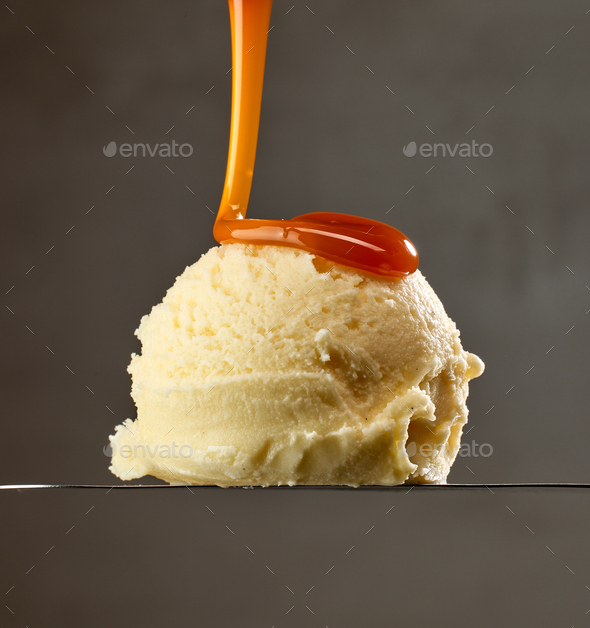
{"x":266,"y":365}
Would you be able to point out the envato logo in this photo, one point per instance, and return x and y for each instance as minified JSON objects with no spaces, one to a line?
{"x":445,"y":150}
{"x":147,"y":451}
{"x":146,"y":150}
{"x":467,"y":450}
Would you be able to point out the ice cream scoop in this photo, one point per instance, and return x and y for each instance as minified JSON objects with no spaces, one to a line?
{"x":308,"y":351}
{"x":267,"y":365}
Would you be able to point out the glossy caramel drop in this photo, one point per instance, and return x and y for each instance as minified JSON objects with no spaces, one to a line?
{"x":368,"y":245}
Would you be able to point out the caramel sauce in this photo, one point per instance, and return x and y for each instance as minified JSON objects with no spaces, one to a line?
{"x":368,"y":245}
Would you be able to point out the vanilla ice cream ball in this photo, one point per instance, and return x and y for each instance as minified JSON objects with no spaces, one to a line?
{"x":266,"y":365}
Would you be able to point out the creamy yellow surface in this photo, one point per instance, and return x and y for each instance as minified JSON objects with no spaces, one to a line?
{"x":264,"y":365}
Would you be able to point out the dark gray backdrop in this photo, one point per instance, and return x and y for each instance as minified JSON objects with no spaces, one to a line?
{"x":90,"y":244}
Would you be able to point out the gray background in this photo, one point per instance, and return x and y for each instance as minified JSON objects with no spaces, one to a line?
{"x":502,"y":240}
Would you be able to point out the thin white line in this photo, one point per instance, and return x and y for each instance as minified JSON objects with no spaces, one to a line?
{"x":488,"y":111}
{"x":330,"y":30}
{"x":471,"y":129}
{"x":532,"y":66}
{"x":88,"y":88}
{"x":550,"y":49}
{"x":51,"y":51}
{"x":510,"y":89}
